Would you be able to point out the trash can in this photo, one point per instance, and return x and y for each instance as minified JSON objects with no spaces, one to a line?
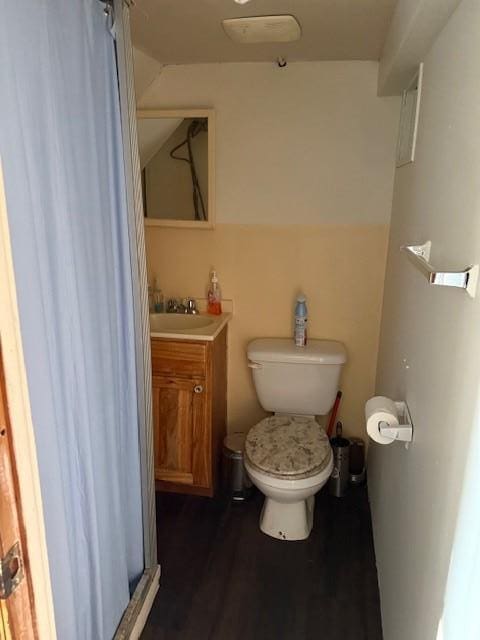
{"x":338,"y":483}
{"x":236,"y":483}
{"x":357,"y":461}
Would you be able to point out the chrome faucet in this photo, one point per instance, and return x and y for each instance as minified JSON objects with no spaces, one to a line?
{"x":172,"y":305}
{"x":189,"y":305}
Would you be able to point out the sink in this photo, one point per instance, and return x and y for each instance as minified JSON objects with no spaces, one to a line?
{"x":178,"y":322}
{"x":180,"y":326}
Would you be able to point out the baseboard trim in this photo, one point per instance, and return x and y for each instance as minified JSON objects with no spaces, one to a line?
{"x":136,"y":614}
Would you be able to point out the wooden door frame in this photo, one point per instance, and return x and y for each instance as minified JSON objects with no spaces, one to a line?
{"x":18,"y":609}
{"x":23,"y":439}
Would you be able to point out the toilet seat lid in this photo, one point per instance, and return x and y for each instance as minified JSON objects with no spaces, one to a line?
{"x":288,"y":446}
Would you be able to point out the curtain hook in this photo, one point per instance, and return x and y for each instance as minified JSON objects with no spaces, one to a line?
{"x":108,"y":8}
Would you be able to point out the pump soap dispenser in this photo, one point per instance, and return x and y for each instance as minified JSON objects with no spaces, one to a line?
{"x":214,"y":296}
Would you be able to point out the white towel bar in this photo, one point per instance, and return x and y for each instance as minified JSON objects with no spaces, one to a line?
{"x":420,"y":256}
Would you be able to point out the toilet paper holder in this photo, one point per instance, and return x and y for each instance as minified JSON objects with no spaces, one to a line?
{"x":402,"y":431}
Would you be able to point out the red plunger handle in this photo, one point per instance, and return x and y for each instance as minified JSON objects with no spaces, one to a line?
{"x":333,"y":415}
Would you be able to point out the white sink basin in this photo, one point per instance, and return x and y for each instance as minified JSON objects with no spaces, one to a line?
{"x":178,"y":323}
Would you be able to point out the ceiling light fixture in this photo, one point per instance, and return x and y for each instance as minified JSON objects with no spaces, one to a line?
{"x":242,"y":1}
{"x":283,"y":28}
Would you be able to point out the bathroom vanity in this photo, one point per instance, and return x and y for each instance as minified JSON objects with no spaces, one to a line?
{"x":189,"y":382}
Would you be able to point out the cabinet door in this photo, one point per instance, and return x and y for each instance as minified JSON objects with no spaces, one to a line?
{"x":180,"y":433}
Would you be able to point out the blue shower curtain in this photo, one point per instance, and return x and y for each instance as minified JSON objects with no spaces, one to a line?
{"x":60,"y":145}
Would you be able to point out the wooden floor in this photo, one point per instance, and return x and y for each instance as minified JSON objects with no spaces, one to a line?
{"x":222,"y":579}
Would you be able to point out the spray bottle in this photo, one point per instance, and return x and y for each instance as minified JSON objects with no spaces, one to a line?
{"x":300,"y":331}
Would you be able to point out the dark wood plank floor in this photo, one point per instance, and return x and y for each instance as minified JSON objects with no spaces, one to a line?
{"x":222,"y":579}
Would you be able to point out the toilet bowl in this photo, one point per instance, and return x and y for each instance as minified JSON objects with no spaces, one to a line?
{"x":287,"y":513}
{"x":289,"y":459}
{"x":288,"y":455}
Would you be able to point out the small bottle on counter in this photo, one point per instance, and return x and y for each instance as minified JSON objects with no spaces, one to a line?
{"x":214,"y":296}
{"x":151,"y":304}
{"x":155,"y":298}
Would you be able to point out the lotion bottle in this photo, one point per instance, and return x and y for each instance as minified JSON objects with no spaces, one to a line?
{"x":214,"y":296}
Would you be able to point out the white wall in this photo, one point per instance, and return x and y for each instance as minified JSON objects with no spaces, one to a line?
{"x":146,"y":69}
{"x":307,"y":144}
{"x":430,"y":340}
{"x":414,"y":27}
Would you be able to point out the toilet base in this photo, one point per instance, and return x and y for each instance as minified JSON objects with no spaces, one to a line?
{"x":287,"y":521}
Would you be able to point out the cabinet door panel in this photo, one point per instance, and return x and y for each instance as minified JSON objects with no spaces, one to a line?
{"x":177,"y":411}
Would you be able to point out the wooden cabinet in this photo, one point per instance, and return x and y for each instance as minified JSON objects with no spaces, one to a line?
{"x":189,"y":412}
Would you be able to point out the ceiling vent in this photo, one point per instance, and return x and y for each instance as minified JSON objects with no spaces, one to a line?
{"x":262,"y":29}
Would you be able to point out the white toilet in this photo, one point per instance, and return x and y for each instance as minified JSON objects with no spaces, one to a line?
{"x":288,"y":455}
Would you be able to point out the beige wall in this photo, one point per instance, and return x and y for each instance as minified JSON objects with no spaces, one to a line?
{"x":339,"y":267}
{"x":430,"y":342}
{"x":304,"y":163}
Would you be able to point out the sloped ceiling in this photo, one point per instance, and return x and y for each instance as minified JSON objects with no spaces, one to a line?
{"x":190,"y":31}
{"x":152,"y":133}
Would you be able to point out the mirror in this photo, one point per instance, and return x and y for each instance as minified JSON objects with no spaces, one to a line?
{"x":176,"y":151}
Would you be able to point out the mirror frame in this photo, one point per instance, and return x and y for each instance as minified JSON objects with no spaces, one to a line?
{"x":189,"y":113}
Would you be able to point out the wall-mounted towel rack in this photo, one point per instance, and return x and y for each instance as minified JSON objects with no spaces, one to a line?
{"x":420,"y":256}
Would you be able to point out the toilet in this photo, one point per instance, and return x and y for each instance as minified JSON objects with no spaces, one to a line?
{"x":288,"y":455}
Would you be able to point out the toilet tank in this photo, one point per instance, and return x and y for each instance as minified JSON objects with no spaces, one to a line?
{"x":297,"y":380}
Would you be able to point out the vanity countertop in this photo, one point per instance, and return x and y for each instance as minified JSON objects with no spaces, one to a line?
{"x":187,"y":327}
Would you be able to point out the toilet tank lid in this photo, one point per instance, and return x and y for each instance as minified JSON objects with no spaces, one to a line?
{"x":285,"y":350}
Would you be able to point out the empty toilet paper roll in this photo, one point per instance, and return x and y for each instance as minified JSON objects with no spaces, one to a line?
{"x":380,"y":409}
